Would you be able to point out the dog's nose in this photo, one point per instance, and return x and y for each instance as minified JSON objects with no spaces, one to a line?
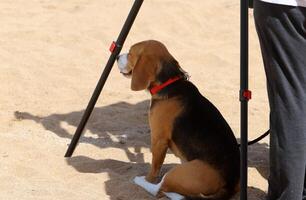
{"x":118,"y":57}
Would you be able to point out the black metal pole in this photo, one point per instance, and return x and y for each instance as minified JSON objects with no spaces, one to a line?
{"x":245,"y":95}
{"x":115,"y":49}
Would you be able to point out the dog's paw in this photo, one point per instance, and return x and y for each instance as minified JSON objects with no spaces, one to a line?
{"x":149,"y":187}
{"x":140,"y":180}
{"x":151,"y":179}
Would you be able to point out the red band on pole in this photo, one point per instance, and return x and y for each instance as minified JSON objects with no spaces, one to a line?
{"x":112,"y":47}
{"x":247,"y":94}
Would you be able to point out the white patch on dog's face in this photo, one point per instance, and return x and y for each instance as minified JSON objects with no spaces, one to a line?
{"x":122,"y":62}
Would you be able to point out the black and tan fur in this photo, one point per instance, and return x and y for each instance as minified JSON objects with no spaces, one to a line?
{"x":184,"y":121}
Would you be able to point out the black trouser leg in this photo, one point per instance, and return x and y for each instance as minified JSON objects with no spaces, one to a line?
{"x":282,"y":35}
{"x":304,"y":191}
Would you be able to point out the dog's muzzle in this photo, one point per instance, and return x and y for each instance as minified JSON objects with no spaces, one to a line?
{"x":122,"y":61}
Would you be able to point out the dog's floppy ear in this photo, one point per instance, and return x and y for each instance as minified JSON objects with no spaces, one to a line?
{"x":143,"y":73}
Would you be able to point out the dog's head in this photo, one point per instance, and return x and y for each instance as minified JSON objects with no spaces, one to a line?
{"x":149,"y":63}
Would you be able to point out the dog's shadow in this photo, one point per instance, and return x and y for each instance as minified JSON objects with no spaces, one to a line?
{"x":258,"y":157}
{"x":129,"y":124}
{"x":124,"y":122}
{"x":119,"y":173}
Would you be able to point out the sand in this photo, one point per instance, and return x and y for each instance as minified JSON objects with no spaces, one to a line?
{"x":51,"y":56}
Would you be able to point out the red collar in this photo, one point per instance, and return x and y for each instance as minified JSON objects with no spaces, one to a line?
{"x":157,"y":88}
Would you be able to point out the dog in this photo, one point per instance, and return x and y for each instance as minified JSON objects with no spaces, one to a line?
{"x":187,"y":123}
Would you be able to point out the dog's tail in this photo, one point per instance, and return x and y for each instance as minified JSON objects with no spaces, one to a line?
{"x":223,"y":194}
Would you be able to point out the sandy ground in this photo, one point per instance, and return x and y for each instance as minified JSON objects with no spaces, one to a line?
{"x":52,"y":53}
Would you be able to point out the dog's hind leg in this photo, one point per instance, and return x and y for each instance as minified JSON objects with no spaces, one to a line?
{"x":193,"y":179}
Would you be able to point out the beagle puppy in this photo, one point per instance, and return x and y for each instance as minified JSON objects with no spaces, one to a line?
{"x":185,"y":122}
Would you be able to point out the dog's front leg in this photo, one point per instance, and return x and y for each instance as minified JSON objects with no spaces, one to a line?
{"x":159,"y":148}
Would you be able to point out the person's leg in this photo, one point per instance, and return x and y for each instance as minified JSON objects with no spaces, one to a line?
{"x":304,"y":191}
{"x":282,"y":35}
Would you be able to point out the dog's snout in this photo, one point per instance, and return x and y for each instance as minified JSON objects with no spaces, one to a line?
{"x":122,"y":61}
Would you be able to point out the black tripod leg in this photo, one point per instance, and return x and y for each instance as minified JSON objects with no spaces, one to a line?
{"x":115,"y":49}
{"x":245,"y":95}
